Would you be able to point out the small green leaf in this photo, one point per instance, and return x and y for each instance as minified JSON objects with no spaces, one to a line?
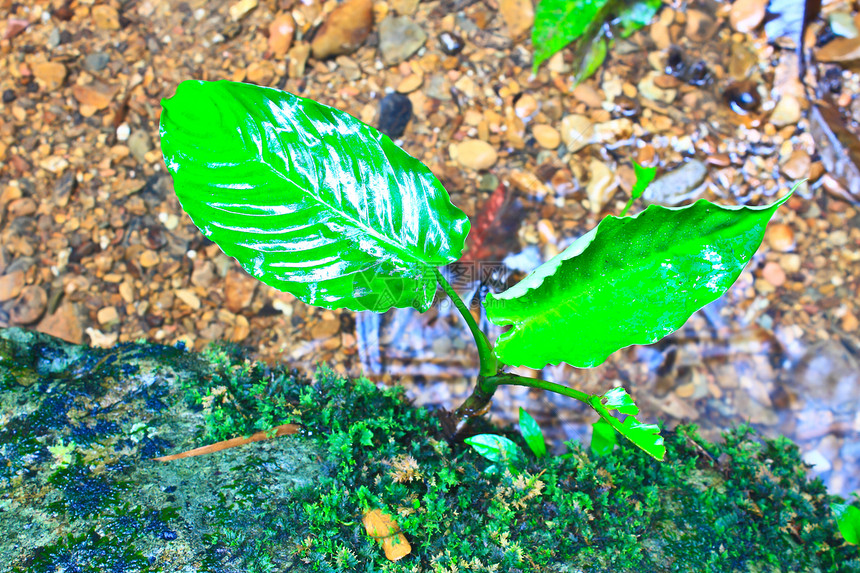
{"x":646,"y":436}
{"x":848,"y":519}
{"x":593,"y":59}
{"x":307,"y":198}
{"x":559,"y":22}
{"x":644,"y":177}
{"x":532,"y":434}
{"x":497,"y":449}
{"x":603,"y":437}
{"x":637,"y":14}
{"x":630,"y":280}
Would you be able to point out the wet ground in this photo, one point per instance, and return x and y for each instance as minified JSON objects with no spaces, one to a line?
{"x":94,"y":246}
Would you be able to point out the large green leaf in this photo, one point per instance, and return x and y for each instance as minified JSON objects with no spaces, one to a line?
{"x":630,"y":280}
{"x":559,"y":22}
{"x":307,"y":198}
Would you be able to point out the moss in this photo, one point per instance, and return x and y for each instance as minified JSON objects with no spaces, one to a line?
{"x":295,"y":503}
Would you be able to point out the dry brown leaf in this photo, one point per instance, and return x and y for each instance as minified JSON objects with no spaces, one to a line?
{"x":382,"y":527}
{"x":282,"y":430}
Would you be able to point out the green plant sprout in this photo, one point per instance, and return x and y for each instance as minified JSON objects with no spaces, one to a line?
{"x":312,"y":201}
{"x":586,"y":22}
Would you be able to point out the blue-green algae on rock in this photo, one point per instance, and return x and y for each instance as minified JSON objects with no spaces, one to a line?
{"x":79,"y":490}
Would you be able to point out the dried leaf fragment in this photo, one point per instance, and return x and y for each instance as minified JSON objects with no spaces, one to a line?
{"x":382,"y":527}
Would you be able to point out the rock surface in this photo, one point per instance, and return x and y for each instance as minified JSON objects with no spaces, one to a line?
{"x":345,"y":29}
{"x":399,"y":38}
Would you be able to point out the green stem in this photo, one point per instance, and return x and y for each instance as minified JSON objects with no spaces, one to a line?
{"x":489,"y":365}
{"x":627,"y":207}
{"x":515,"y":380}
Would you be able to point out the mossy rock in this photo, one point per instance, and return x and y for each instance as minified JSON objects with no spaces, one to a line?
{"x":79,"y":490}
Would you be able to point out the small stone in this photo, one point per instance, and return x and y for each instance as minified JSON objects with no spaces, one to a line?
{"x":188,"y":297}
{"x":105,"y":17}
{"x":648,"y":89}
{"x":96,"y":62}
{"x":850,"y":322}
{"x":588,"y":95}
{"x":241,"y":8}
{"x":519,"y":16}
{"x":203,"y":274}
{"x":100,"y":339}
{"x":52,"y":74}
{"x":526,"y":106}
{"x":298,"y":56}
{"x":773,"y":274}
{"x":107,"y":316}
{"x":23,"y":207}
{"x":577,"y":131}
{"x":345,"y":29}
{"x":780,"y":237}
{"x":786,"y":112}
{"x":476,"y":154}
{"x":325,"y":328}
{"x":29,"y":306}
{"x":839,"y":50}
{"x":816,"y":459}
{"x":404,"y":7}
{"x":798,"y":165}
{"x":11,"y":285}
{"x":546,"y":136}
{"x":139,"y":144}
{"x":700,"y":26}
{"x":148,"y":259}
{"x":677,"y":186}
{"x":410,"y":83}
{"x":746,"y":15}
{"x":95,"y":96}
{"x":451,"y":43}
{"x":281,"y":32}
{"x":241,"y":330}
{"x":601,"y":185}
{"x":8,"y":96}
{"x":399,"y":38}
{"x":395,"y":111}
{"x":239,"y":290}
{"x":64,"y":323}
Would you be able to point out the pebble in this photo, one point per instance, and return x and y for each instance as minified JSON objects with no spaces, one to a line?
{"x":451,"y":43}
{"x":546,"y":136}
{"x":325,"y":328}
{"x":577,"y":131}
{"x":105,"y":17}
{"x":52,"y":74}
{"x":850,"y":322}
{"x":29,"y":306}
{"x":139,"y":144}
{"x":345,"y":29}
{"x":64,"y":323}
{"x":8,"y":96}
{"x":519,"y":16}
{"x":476,"y":154}
{"x":239,"y":289}
{"x":526,"y":106}
{"x":281,"y":32}
{"x":188,"y":297}
{"x":395,"y":111}
{"x":677,"y":186}
{"x":148,"y":259}
{"x":648,"y":89}
{"x":96,"y":62}
{"x":786,"y":112}
{"x":773,"y":274}
{"x":746,"y":15}
{"x":819,"y":463}
{"x":601,"y":185}
{"x":94,"y":96}
{"x":399,"y":38}
{"x":11,"y":285}
{"x":839,"y":50}
{"x":23,"y":207}
{"x":798,"y":165}
{"x":107,"y":316}
{"x":405,"y":7}
{"x":588,"y":95}
{"x":780,"y":237}
{"x":241,"y":9}
{"x":410,"y":83}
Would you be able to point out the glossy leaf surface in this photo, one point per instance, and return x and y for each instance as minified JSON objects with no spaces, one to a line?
{"x":532,"y":434}
{"x":644,"y":177}
{"x":497,"y":449}
{"x":630,"y":280}
{"x":637,"y":14}
{"x":603,"y":437}
{"x":559,"y":22}
{"x":646,"y":436}
{"x":307,"y":198}
{"x":848,"y":519}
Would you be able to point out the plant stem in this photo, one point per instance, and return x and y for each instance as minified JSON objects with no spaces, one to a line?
{"x":489,"y":365}
{"x":515,"y":380}
{"x":627,"y":207}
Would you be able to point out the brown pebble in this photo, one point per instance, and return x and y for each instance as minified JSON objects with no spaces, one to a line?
{"x":850,"y":322}
{"x":281,"y":32}
{"x":780,"y":237}
{"x":51,"y":74}
{"x":546,"y":136}
{"x":798,"y":165}
{"x":326,"y":329}
{"x":107,"y":315}
{"x":345,"y":29}
{"x":29,"y":305}
{"x":11,"y":285}
{"x":746,"y":15}
{"x":22,"y":207}
{"x":718,"y":160}
{"x":773,"y":274}
{"x":105,"y":17}
{"x":476,"y":154}
{"x":148,"y":258}
{"x":526,"y":106}
{"x":239,"y":290}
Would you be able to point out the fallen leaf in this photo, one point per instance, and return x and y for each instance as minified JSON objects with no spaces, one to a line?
{"x":382,"y":527}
